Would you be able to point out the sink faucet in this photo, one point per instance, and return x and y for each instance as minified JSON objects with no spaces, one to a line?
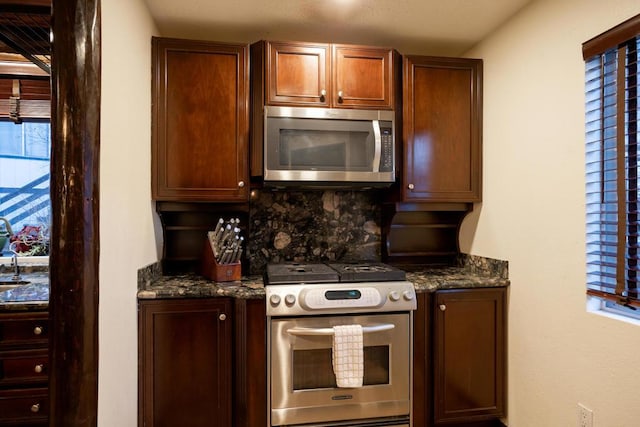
{"x":16,"y":274}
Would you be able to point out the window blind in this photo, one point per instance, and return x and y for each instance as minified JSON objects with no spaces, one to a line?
{"x":26,"y":98}
{"x":611,"y":160}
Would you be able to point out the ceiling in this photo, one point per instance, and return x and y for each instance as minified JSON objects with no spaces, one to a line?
{"x":426,"y":27}
{"x":25,"y":33}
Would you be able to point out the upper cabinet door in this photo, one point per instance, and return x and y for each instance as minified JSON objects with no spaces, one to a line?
{"x":200,"y":121}
{"x":362,"y":77}
{"x":442,"y":121}
{"x":323,"y":75}
{"x":298,"y":74}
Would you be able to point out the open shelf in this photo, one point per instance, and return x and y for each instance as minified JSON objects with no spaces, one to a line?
{"x":414,"y":233}
{"x":185,"y":227}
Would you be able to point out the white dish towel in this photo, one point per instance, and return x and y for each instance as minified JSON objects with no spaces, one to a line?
{"x":348,"y":359}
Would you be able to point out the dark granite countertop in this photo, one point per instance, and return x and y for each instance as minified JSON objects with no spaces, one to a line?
{"x":473,"y":272}
{"x":433,"y":279}
{"x":29,"y":297}
{"x":194,"y":286}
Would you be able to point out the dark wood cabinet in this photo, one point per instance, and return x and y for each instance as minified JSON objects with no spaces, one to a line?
{"x":363,"y":77}
{"x":298,"y":74}
{"x":200,"y":121}
{"x":422,"y":362}
{"x":459,"y":376}
{"x":469,"y":351}
{"x":250,"y":358}
{"x":24,"y":368}
{"x":185,"y":350}
{"x":325,"y":75}
{"x":442,"y":127}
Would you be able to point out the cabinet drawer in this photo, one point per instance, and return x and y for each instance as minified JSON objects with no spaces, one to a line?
{"x":22,"y":329}
{"x":24,"y":407}
{"x":23,"y":367}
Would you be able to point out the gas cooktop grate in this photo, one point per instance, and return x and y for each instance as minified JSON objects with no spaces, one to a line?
{"x":289,"y":273}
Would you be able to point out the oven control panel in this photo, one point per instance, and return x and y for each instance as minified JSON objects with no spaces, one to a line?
{"x":318,"y":299}
{"x":313,"y":299}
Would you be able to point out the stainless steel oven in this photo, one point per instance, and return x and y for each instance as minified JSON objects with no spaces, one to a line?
{"x":302,"y":318}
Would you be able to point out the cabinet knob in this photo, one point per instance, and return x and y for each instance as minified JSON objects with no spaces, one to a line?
{"x":38,"y":369}
{"x":323,"y":93}
{"x":340,"y":96}
{"x":35,"y":408}
{"x":222,"y":317}
{"x":241,"y":184}
{"x":443,"y":307}
{"x":411,"y":186}
{"x":37,"y":330}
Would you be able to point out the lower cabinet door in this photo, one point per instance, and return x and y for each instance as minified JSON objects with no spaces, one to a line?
{"x":185,"y":349}
{"x":469,"y":354}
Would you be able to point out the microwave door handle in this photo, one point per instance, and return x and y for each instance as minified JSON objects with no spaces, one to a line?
{"x":378,"y":146}
{"x":329,"y":331}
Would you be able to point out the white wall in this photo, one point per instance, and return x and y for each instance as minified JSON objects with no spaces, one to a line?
{"x":532,"y":213}
{"x":127,"y":225}
{"x":533,"y":216}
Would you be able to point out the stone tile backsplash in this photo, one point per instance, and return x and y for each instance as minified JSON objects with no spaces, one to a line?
{"x":312,"y":226}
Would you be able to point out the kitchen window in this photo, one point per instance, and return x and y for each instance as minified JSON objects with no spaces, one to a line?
{"x":24,"y":184}
{"x":25,"y":149}
{"x":612,"y":206}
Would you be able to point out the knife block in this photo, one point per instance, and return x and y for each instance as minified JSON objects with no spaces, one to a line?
{"x":218,"y":272}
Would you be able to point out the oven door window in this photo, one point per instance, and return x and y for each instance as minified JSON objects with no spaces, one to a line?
{"x":312,"y":369}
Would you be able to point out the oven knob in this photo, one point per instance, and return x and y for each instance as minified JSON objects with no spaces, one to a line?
{"x":394,"y":296}
{"x":290,"y":299}
{"x":408,"y":295}
{"x":275,"y":299}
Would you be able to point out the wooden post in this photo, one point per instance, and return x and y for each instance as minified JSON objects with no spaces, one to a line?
{"x":73,"y":304}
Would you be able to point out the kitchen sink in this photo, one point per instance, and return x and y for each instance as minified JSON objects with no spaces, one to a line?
{"x":6,"y":285}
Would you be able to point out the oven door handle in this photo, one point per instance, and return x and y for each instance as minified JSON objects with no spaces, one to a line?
{"x":329,"y":331}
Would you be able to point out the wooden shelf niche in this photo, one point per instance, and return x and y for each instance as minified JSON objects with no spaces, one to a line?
{"x":424,"y":234}
{"x":185,"y":227}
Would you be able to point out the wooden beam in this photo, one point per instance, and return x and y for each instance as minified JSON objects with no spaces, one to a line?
{"x":73,"y":261}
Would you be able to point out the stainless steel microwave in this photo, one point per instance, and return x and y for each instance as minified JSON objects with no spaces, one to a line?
{"x":324,"y":146}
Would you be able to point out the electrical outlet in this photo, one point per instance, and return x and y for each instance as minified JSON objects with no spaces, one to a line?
{"x":585,"y":416}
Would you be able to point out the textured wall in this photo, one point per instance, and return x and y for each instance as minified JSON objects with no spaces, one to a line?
{"x":533,"y":215}
{"x":129,"y":236}
{"x":313,"y":226}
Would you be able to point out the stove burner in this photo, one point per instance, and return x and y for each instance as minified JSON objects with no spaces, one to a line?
{"x":288,"y":273}
{"x":278,"y":274}
{"x":368,"y":272}
{"x":365,"y":268}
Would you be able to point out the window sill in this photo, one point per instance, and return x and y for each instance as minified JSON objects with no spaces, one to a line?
{"x":26,"y":260}
{"x":598,"y":307}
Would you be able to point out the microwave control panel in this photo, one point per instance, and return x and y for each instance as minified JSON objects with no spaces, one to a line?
{"x":386,"y":158}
